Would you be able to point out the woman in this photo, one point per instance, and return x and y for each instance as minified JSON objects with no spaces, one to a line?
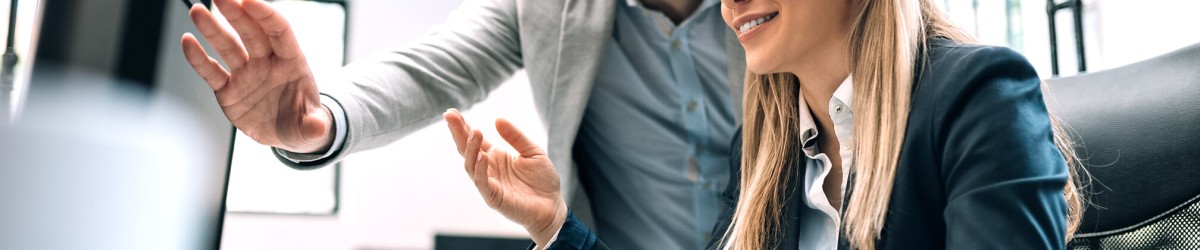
{"x":868,"y":124}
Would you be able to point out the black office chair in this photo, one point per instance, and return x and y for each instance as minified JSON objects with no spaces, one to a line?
{"x":1138,"y":132}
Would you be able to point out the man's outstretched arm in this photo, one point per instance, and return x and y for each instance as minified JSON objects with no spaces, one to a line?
{"x":269,"y":92}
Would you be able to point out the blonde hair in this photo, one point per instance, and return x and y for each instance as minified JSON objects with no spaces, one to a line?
{"x":886,"y":36}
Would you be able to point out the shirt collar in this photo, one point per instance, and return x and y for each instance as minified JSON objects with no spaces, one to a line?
{"x":845,"y":92}
{"x":808,"y":126}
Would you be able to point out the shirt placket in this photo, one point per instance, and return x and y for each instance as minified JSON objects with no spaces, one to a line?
{"x":695,"y":122}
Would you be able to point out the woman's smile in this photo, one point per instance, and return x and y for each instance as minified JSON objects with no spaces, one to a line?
{"x":749,"y":24}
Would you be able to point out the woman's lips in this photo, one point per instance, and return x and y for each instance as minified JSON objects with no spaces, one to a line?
{"x":748,"y":27}
{"x":752,"y":23}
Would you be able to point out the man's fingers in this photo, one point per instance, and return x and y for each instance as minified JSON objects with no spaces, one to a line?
{"x":514,"y":137}
{"x":205,"y":66}
{"x":252,"y":36}
{"x":471,"y":153}
{"x":481,"y":178}
{"x":277,"y":29}
{"x":224,"y":42}
{"x":458,"y":129}
{"x":485,"y":146}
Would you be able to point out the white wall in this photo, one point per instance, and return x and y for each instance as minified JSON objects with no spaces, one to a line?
{"x":399,"y":196}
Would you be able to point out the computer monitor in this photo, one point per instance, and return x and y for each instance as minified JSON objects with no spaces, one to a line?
{"x":106,"y":155}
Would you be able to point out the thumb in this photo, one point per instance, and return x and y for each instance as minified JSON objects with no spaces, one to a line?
{"x":315,"y":126}
{"x":514,"y":137}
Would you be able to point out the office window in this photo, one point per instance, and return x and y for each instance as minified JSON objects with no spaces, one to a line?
{"x":1018,"y":24}
{"x":258,"y":182}
{"x":992,"y":22}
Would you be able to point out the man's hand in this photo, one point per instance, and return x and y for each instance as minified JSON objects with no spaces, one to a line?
{"x":268,"y":91}
{"x":523,"y":186}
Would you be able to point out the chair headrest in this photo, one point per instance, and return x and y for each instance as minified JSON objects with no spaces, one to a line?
{"x":1137,"y":129}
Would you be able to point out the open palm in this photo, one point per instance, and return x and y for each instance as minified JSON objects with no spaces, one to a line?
{"x":268,"y":92}
{"x":523,"y":186}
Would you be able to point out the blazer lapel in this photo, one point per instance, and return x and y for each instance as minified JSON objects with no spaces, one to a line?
{"x":583,"y":29}
{"x":586,"y":27}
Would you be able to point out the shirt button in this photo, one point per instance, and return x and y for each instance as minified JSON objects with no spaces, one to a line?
{"x":692,"y":105}
{"x":675,"y":44}
{"x":838,"y":108}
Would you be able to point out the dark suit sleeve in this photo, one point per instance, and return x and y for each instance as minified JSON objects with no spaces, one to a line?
{"x":575,"y":235}
{"x":1003,"y":175}
{"x":730,"y":196}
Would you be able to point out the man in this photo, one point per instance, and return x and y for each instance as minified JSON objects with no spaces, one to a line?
{"x":640,"y":95}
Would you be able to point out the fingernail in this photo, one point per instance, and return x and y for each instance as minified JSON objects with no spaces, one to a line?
{"x":471,"y":137}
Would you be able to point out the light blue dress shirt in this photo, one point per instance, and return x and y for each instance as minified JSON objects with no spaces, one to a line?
{"x":653,"y":146}
{"x":819,"y":220}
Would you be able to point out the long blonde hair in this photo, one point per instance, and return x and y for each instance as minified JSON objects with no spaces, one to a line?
{"x":886,"y":37}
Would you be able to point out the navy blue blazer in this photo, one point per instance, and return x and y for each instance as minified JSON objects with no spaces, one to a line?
{"x":978,"y":168}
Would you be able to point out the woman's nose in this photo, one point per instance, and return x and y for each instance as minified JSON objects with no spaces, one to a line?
{"x":733,"y":4}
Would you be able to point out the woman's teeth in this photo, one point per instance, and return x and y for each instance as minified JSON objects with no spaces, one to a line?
{"x":754,"y":23}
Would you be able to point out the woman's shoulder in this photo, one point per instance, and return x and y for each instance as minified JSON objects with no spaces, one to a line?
{"x":946,"y":58}
{"x":955,"y":50}
{"x":952,"y":69}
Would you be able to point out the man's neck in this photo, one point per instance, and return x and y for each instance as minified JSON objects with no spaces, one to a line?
{"x":676,"y":10}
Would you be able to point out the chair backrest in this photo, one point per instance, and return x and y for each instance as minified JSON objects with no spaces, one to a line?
{"x":1137,"y":129}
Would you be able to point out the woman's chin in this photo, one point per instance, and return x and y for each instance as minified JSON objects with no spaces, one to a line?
{"x":761,"y":68}
{"x":761,"y":62}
